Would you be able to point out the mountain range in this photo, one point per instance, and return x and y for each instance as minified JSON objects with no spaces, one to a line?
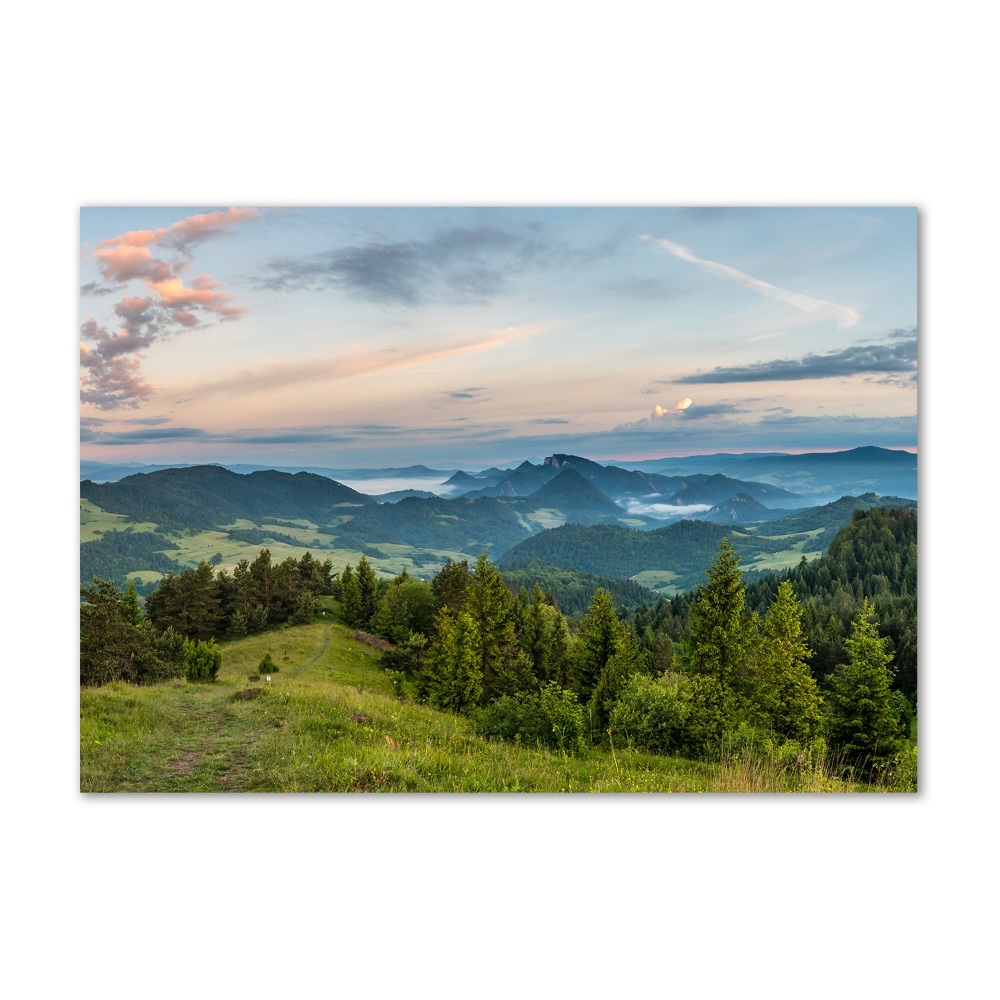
{"x":813,"y":478}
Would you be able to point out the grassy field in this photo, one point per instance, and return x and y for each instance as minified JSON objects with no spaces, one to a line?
{"x":191,"y":547}
{"x":94,"y":522}
{"x":659,"y":580}
{"x":328,"y":721}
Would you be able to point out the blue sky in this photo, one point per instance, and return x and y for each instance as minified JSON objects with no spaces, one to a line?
{"x":375,"y":337}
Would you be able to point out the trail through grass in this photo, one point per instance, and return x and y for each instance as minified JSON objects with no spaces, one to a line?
{"x":328,"y":722}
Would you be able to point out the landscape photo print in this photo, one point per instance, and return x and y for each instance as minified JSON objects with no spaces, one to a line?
{"x":495,"y":499}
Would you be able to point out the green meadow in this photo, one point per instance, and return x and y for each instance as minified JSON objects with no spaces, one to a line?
{"x":329,"y":721}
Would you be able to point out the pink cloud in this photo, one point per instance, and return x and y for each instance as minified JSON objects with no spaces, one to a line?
{"x":197,"y":227}
{"x":111,"y":377}
{"x":123,"y":262}
{"x":112,"y":384}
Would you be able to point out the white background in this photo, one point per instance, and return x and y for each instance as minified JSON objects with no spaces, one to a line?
{"x":460,"y":103}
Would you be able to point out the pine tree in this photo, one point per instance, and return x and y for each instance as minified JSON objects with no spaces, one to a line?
{"x":350,"y":598}
{"x":455,"y":679}
{"x":490,"y":605}
{"x":368,"y":587}
{"x":786,"y":692}
{"x":721,"y":639}
{"x":864,"y":720}
{"x":452,"y":584}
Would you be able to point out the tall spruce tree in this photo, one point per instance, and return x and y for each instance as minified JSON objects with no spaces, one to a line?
{"x":601,"y":637}
{"x":502,"y":663}
{"x":721,"y":639}
{"x":786,"y":691}
{"x":454,"y":674}
{"x":350,"y":598}
{"x":368,"y":587}
{"x":864,"y":720}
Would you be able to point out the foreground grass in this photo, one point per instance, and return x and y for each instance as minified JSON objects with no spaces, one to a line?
{"x":328,"y":722}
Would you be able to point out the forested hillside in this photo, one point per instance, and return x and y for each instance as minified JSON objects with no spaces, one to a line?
{"x":206,"y":496}
{"x":802,"y":664}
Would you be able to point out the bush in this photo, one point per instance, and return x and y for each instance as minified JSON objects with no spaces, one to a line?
{"x":407,"y":656}
{"x":396,"y":678}
{"x":653,"y":715}
{"x":518,"y":718}
{"x":267,"y":665}
{"x":564,"y":714}
{"x":203,"y":660}
{"x":552,"y":717}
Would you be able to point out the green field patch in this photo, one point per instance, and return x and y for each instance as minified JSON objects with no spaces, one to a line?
{"x":305,"y":534}
{"x":95,"y":522}
{"x":774,"y":561}
{"x":547,"y":517}
{"x":800,"y":536}
{"x":659,"y":580}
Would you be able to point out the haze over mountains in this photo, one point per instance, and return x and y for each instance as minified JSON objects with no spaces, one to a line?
{"x":779,"y":480}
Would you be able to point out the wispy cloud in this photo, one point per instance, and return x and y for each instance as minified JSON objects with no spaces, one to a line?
{"x":96,"y":288}
{"x":110,"y":360}
{"x":275,"y":374}
{"x":473,"y":392}
{"x":844,"y":315}
{"x":897,"y":361}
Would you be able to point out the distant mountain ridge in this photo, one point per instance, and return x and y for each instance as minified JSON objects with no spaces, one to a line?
{"x":205,"y":496}
{"x":813,"y":477}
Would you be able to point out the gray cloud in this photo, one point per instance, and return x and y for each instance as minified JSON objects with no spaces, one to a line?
{"x":96,"y":288}
{"x":147,"y":421}
{"x":467,"y":264}
{"x":553,"y":420}
{"x":898,"y":360}
{"x":199,"y":436}
{"x":473,"y":392}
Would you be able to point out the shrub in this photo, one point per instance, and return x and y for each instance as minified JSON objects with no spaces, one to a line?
{"x":203,"y":660}
{"x":267,"y":665}
{"x":564,"y":715}
{"x":396,"y":678}
{"x":407,"y":656}
{"x":653,"y":715}
{"x":518,"y":718}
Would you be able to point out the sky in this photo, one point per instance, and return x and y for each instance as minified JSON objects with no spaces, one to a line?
{"x":468,"y":337}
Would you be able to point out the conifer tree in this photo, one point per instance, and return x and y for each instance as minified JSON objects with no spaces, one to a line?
{"x":368,"y":588}
{"x":491,"y":607}
{"x":601,"y":637}
{"x":262,"y":573}
{"x":721,"y":639}
{"x":350,"y":598}
{"x":455,"y":679}
{"x":452,"y":583}
{"x":786,"y":691}
{"x":115,"y":644}
{"x":864,"y":720}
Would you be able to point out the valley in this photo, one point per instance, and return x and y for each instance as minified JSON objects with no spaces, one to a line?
{"x":567,"y":512}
